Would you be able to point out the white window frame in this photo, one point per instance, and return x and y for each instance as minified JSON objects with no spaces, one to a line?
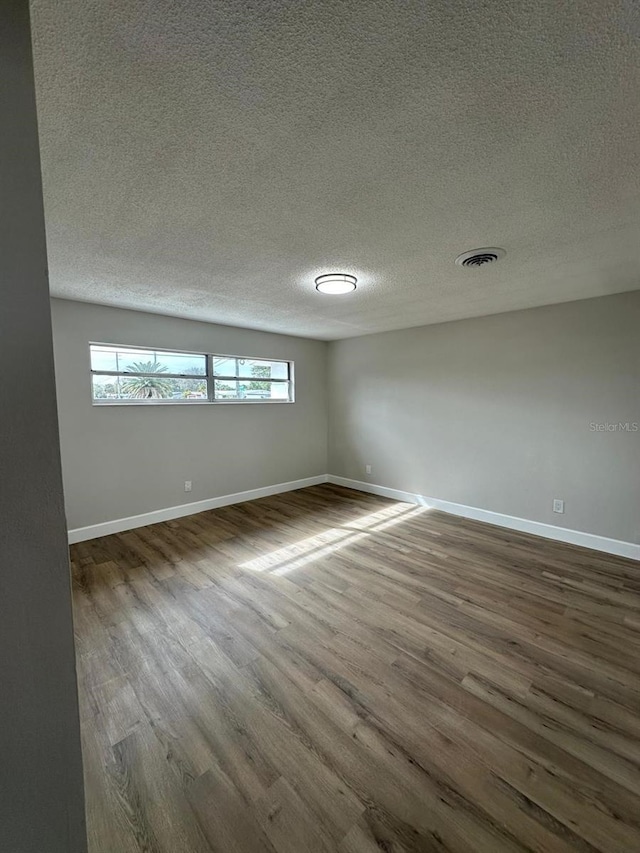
{"x":209,"y":377}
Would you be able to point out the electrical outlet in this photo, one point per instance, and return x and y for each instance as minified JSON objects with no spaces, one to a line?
{"x":558,"y":505}
{"x":367,"y":469}
{"x":187,"y":485}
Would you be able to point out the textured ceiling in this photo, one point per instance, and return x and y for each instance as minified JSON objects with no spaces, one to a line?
{"x":208,"y":159}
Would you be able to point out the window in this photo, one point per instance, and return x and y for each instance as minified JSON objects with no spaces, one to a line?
{"x":133,"y":375}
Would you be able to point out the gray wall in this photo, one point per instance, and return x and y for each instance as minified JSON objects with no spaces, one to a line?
{"x":120,"y":461}
{"x":495,"y":412}
{"x":41,"y":797}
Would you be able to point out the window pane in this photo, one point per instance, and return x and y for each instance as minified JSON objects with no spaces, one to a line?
{"x":146,"y":361}
{"x":223,"y":366}
{"x":250,"y":368}
{"x":247,"y":389}
{"x":225,"y":389}
{"x":260,"y":369}
{"x":279,"y":391}
{"x":143,"y":388}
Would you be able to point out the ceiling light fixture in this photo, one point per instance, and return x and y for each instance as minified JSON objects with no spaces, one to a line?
{"x":336,"y":282}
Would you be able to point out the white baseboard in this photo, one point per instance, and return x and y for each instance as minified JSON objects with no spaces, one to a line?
{"x":538,"y":528}
{"x":548,"y":531}
{"x":81,"y":534}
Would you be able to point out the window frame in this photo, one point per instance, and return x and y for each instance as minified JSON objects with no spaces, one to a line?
{"x":209,"y":377}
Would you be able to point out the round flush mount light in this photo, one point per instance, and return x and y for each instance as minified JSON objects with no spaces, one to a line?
{"x":336,"y":282}
{"x":479,"y":257}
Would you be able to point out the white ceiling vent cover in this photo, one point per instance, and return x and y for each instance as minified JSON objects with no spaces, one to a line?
{"x":478,"y":257}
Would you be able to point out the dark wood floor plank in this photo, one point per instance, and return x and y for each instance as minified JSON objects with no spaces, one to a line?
{"x":230,"y":824}
{"x":380,"y":771}
{"x":161,"y":818}
{"x":326,"y":670}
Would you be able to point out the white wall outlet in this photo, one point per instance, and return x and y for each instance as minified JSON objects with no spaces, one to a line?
{"x":187,"y":485}
{"x":367,"y":469}
{"x":558,"y":505}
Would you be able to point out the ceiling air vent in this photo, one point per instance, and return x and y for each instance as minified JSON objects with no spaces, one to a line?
{"x":478,"y":257}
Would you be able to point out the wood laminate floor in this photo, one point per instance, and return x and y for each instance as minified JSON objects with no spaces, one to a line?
{"x":326,"y":670}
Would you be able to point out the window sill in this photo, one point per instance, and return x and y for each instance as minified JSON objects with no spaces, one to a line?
{"x":151,"y":403}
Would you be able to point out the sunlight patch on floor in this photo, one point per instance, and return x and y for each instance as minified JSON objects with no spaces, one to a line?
{"x":287,"y":559}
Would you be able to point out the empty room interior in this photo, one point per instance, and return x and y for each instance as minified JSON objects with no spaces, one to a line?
{"x":320,"y":458}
